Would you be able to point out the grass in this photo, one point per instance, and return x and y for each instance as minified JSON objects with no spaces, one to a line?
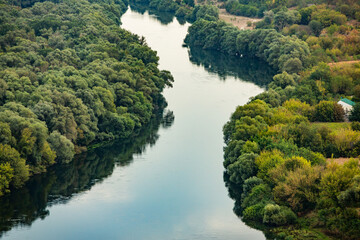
{"x":334,"y":126}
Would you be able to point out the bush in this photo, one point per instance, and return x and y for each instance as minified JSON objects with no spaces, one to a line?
{"x":259,"y":194}
{"x":243,"y":168}
{"x":355,"y":126}
{"x":267,"y":161}
{"x":249,"y":184}
{"x":278,"y":216}
{"x":298,"y":107}
{"x":254,"y":212}
{"x":300,"y":189}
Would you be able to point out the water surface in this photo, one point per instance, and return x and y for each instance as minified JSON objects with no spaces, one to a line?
{"x":167,"y":183}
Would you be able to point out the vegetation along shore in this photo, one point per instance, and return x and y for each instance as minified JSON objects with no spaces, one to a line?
{"x":70,"y":77}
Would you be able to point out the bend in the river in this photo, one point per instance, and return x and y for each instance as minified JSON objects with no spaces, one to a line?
{"x":172,"y":189}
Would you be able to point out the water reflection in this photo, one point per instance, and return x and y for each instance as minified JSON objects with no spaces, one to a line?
{"x":164,"y":17}
{"x":235,"y":191}
{"x":174,"y":190}
{"x":22,"y":207}
{"x":247,"y":69}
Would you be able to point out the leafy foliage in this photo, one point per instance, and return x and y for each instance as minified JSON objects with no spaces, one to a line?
{"x":70,"y":77}
{"x":280,"y":51}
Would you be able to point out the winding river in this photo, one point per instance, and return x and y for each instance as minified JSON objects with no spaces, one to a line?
{"x":166,"y":183}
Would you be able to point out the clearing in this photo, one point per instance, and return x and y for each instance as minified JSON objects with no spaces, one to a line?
{"x":332,"y":64}
{"x":238,"y":21}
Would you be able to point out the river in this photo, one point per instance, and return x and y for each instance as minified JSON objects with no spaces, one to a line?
{"x":165,"y":184}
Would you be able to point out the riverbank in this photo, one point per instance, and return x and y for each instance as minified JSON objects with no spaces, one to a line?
{"x":161,"y":189}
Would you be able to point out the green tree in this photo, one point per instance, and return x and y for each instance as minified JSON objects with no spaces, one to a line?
{"x":315,"y":27}
{"x":355,"y":113}
{"x":9,"y":155}
{"x":63,"y":147}
{"x":278,"y":215}
{"x":327,"y":111}
{"x":300,"y":189}
{"x":6,"y":175}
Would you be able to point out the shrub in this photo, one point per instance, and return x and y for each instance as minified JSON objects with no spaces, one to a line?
{"x":243,"y":168}
{"x":355,"y":126}
{"x":249,"y":184}
{"x":296,"y":106}
{"x":267,"y":161}
{"x":278,"y":216}
{"x":259,"y":194}
{"x":254,"y":212}
{"x":300,"y":188}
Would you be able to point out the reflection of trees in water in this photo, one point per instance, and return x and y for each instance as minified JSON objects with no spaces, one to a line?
{"x":164,"y":17}
{"x":247,"y":69}
{"x":235,"y":191}
{"x":60,"y":183}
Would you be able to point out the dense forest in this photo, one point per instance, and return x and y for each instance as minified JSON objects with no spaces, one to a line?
{"x":69,"y":78}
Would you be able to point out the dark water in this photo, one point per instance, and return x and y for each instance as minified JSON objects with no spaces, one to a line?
{"x":166,"y":183}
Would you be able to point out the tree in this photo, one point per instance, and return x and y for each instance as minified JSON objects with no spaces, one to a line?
{"x":243,"y":168}
{"x":9,"y":155}
{"x":63,"y":147}
{"x":278,"y":215}
{"x":293,"y":65}
{"x":6,"y":175}
{"x":267,"y":161}
{"x":327,"y":111}
{"x":351,"y":196}
{"x":298,"y":107}
{"x":355,"y":113}
{"x":259,"y":194}
{"x":282,"y":80}
{"x":335,"y":180}
{"x":300,"y":189}
{"x":315,"y":27}
{"x":3,"y":88}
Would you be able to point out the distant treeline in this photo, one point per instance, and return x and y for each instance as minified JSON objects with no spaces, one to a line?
{"x":282,"y":52}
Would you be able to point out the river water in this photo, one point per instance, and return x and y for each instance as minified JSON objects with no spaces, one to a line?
{"x":165,"y":184}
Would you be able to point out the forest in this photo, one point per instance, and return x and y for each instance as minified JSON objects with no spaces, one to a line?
{"x":70,"y":78}
{"x":291,"y":156}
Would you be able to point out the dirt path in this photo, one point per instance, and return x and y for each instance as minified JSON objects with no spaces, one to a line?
{"x":339,"y":161}
{"x":332,"y":64}
{"x":238,"y":21}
